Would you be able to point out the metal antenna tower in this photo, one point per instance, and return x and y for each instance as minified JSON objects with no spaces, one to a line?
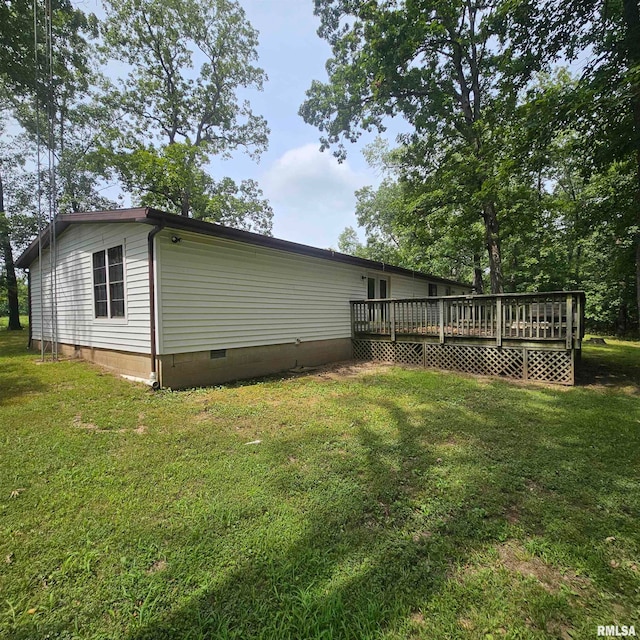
{"x":51,"y":298}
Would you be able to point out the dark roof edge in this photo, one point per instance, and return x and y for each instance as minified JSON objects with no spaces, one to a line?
{"x":229,"y":233}
{"x":63,"y":221}
{"x":150,"y":216}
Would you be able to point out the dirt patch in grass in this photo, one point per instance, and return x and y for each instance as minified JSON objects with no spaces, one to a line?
{"x":536,"y":488}
{"x":90,"y":426}
{"x":515,"y":558}
{"x":342,"y":370}
{"x":512,"y":514}
{"x":157,"y":566}
{"x":560,"y":630}
{"x":418,"y":618}
{"x":466,"y":624}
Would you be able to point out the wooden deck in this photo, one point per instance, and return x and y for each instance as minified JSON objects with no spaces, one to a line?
{"x":513,"y":330}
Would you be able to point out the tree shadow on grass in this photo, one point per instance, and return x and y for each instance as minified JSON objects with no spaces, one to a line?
{"x":596,"y":369}
{"x":353,"y":569}
{"x":387,"y":513}
{"x":14,"y":378}
{"x":383,"y":536}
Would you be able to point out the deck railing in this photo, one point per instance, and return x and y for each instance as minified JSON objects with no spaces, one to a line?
{"x":528,"y":317}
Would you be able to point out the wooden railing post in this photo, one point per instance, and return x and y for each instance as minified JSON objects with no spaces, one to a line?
{"x":498,"y":322}
{"x":579,"y":321}
{"x":569,"y":321}
{"x":392,"y":320}
{"x":441,"y":313}
{"x":353,"y":319}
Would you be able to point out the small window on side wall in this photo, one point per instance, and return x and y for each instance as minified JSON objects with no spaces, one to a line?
{"x":433,"y":290}
{"x":108,"y":283}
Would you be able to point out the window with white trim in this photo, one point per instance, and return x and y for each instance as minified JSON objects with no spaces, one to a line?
{"x":108,"y":283}
{"x":377,"y":287}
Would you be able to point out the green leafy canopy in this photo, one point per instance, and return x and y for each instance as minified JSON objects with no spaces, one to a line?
{"x":180,"y":104}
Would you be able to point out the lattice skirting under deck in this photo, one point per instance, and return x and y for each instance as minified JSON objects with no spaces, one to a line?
{"x":518,"y":363}
{"x":383,"y":351}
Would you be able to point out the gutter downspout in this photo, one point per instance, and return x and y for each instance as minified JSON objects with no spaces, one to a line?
{"x":153,"y":378}
{"x":29,"y":306}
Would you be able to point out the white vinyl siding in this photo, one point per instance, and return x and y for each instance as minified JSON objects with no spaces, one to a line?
{"x":212,"y":293}
{"x":407,"y":287}
{"x":221,"y":294}
{"x":76,"y":321}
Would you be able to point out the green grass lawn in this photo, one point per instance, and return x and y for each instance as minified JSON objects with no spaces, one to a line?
{"x":380,"y":503}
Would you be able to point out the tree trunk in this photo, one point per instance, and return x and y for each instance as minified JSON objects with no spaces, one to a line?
{"x":622,"y":319}
{"x":632,"y":20}
{"x":12,"y":285}
{"x":185,"y":204}
{"x":478,"y":284}
{"x":7,"y":254}
{"x":492,"y":241}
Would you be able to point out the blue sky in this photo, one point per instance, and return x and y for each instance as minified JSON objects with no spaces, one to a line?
{"x":312,"y":195}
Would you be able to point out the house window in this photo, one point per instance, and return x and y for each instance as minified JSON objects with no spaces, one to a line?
{"x":371,"y":288}
{"x":108,"y":283}
{"x":377,"y":288}
{"x":433,"y":289}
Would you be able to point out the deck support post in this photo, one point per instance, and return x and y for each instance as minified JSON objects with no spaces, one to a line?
{"x":577,"y":344}
{"x":498,"y":322}
{"x":392,"y":320}
{"x":441,"y":314}
{"x":569,"y":321}
{"x":525,"y":364}
{"x":353,"y":320}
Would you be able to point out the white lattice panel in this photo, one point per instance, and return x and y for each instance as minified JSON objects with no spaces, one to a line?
{"x":550,"y":366}
{"x":543,"y":365}
{"x":383,"y":351}
{"x":362,"y":350}
{"x":488,"y":361}
{"x":409,"y":353}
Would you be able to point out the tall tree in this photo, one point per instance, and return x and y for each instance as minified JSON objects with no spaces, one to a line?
{"x":17,"y":192}
{"x":44,"y":74}
{"x":446,"y":66}
{"x":7,"y":257}
{"x":189,"y":60}
{"x":419,"y":223}
{"x":18,"y":70}
{"x":604,"y":108}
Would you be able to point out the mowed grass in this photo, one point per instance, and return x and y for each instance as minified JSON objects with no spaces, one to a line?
{"x":378,"y":503}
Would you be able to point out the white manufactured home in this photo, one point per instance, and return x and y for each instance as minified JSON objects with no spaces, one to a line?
{"x":182,"y":302}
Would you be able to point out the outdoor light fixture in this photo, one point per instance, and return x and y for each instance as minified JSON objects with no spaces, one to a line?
{"x":175,"y":239}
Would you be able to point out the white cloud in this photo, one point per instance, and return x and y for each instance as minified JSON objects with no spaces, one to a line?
{"x":312,"y":195}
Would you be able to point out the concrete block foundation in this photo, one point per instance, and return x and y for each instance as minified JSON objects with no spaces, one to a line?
{"x":205,"y":368}
{"x":136,"y":365}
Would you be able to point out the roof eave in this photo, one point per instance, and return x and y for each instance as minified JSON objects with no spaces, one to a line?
{"x":148,"y":215}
